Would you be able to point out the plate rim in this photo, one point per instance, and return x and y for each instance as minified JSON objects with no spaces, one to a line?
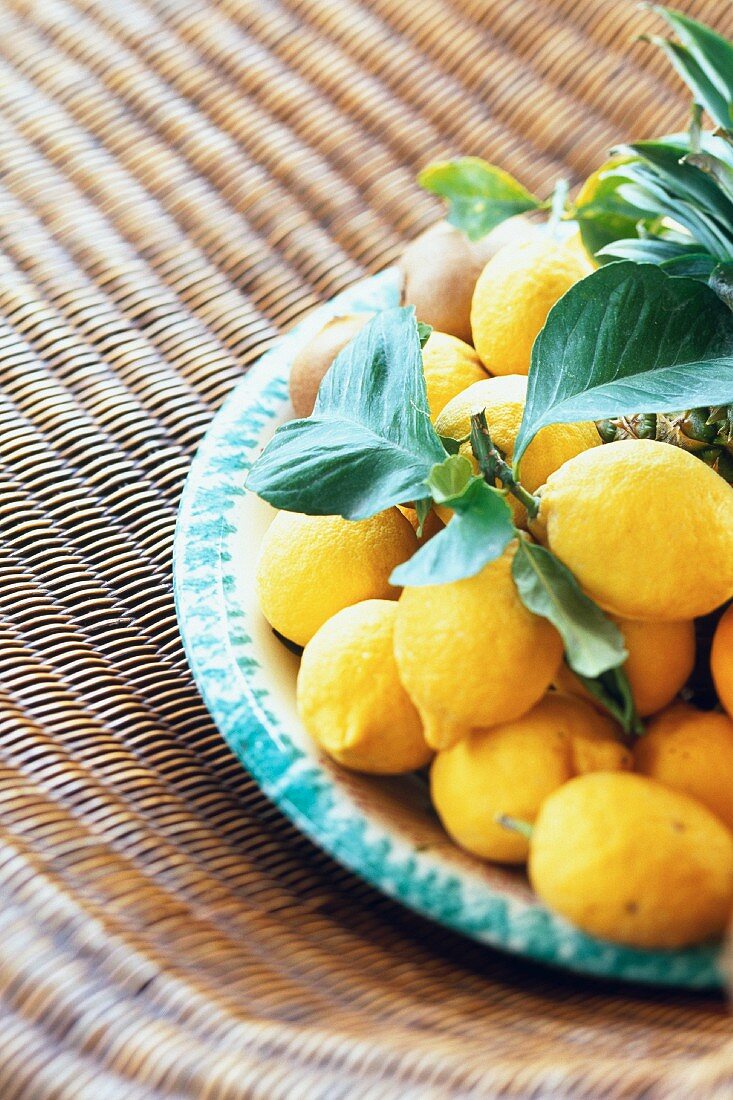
{"x":306,"y":794}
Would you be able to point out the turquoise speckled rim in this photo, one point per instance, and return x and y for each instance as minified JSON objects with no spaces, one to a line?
{"x":238,"y":688}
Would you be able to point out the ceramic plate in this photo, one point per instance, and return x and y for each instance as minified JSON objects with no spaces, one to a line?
{"x":384,"y":830}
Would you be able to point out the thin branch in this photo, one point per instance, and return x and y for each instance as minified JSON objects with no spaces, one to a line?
{"x":494,"y":466}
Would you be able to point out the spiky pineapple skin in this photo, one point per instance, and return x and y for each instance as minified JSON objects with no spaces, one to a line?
{"x":706,"y":432}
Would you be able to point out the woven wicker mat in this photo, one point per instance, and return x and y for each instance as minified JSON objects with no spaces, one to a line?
{"x":179,"y":182}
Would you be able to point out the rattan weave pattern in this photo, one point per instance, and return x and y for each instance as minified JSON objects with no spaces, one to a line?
{"x":179,"y":181}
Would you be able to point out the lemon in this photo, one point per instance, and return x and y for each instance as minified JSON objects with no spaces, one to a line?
{"x":692,"y":751}
{"x":470,"y":654}
{"x":310,"y":567}
{"x":646,"y":528}
{"x":350,"y":699}
{"x":574,"y":243}
{"x":505,"y":393}
{"x":503,"y":399}
{"x":721,"y":660}
{"x":514,"y":293}
{"x":449,"y":366}
{"x":512,"y":768}
{"x":660,"y":661}
{"x":595,"y":743}
{"x":628,"y":860}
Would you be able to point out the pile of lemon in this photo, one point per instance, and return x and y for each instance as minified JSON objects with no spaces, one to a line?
{"x":632,"y":842}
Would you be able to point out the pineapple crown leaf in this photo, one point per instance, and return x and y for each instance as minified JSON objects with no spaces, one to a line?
{"x":681,"y":185}
{"x":707,"y":56}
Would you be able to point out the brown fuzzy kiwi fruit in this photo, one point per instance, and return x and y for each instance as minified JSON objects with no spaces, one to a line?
{"x":440,"y":269}
{"x":312,"y":361}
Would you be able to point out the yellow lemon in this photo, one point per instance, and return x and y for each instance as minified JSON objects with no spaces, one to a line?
{"x":595,"y":743}
{"x":350,"y":699}
{"x":692,"y":751}
{"x":646,"y":528}
{"x":310,"y":567}
{"x":514,"y":293}
{"x":661,"y":659}
{"x":574,"y":243}
{"x":512,"y":768}
{"x":628,"y":860}
{"x":503,"y":393}
{"x":721,"y":660}
{"x":503,"y":400}
{"x":449,"y":366}
{"x":470,"y":654}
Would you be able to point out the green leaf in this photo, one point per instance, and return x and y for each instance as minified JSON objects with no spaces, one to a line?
{"x":479,"y":532}
{"x":369,"y":443}
{"x":325,"y":467}
{"x":662,"y":181}
{"x":650,"y":191}
{"x":451,"y":446}
{"x":602,"y":215}
{"x":712,"y":52}
{"x":422,"y":509}
{"x":650,"y":250}
{"x":593,"y":644}
{"x":672,"y":256}
{"x":613,"y":691}
{"x":480,"y":196}
{"x":450,"y":479}
{"x":695,"y":77}
{"x":696,"y":265}
{"x":628,"y":339}
{"x":674,"y":163}
{"x":721,"y":282}
{"x":423,"y":333}
{"x":720,"y":171}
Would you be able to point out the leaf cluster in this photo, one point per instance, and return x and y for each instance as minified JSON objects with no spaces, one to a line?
{"x":670,"y":201}
{"x":479,"y":195}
